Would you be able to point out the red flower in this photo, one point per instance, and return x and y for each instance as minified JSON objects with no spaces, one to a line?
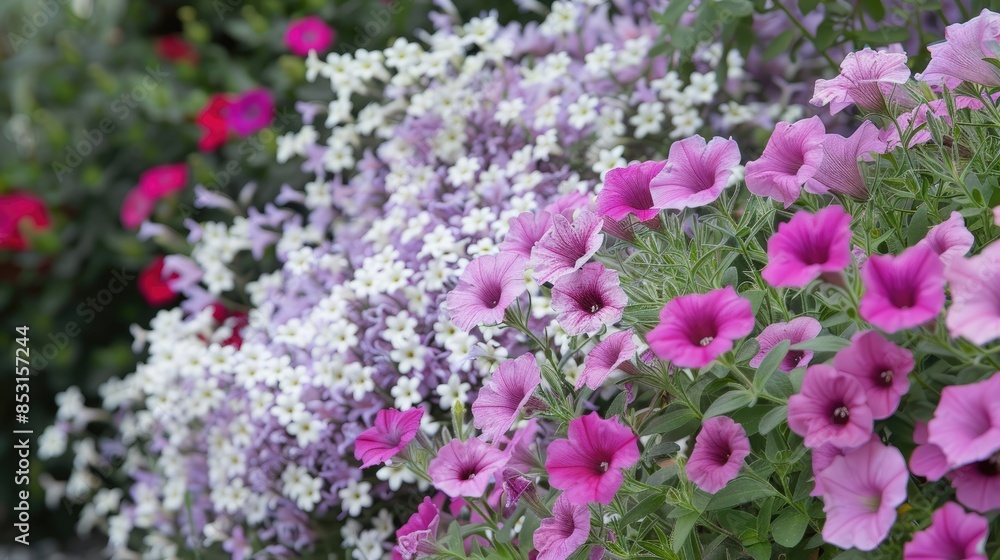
{"x":155,"y":289}
{"x":215,"y":130}
{"x":15,"y":208}
{"x":176,"y":49}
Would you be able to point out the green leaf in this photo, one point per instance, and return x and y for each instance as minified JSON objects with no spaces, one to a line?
{"x":789,"y":527}
{"x":729,"y":402}
{"x":918,"y":226}
{"x":682,"y":529}
{"x":882,"y":35}
{"x":875,"y":8}
{"x":773,"y":419}
{"x":780,"y":44}
{"x":760,"y":550}
{"x":806,"y":6}
{"x":669,"y":421}
{"x":780,"y":386}
{"x":747,"y":350}
{"x":740,"y":491}
{"x":756,"y":297}
{"x":618,"y":405}
{"x":770,"y":365}
{"x":825,"y":343}
{"x":672,"y":14}
{"x":643,"y":508}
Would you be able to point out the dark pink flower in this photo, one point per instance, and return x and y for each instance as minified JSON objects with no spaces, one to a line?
{"x":830,"y":408}
{"x":588,"y":465}
{"x":807,"y":246}
{"x":567,"y":246}
{"x":977,"y":485}
{"x":17,"y":211}
{"x":162,"y":180}
{"x":975,"y":296}
{"x":489,"y":284}
{"x":927,"y":460}
{"x":881,"y":367}
{"x":561,"y":535}
{"x":904,"y":291}
{"x":869,"y":79}
{"x":952,"y":534}
{"x":587,"y":299}
{"x":501,"y":400}
{"x":960,"y":56}
{"x":790,"y":160}
{"x":614,"y":350}
{"x":695,"y":329}
{"x":696,"y":172}
{"x":718,"y":454}
{"x":966,"y":423}
{"x":795,"y":331}
{"x":525,"y":230}
{"x":464,"y":468}
{"x":950,"y":239}
{"x":421,"y":527}
{"x":392,"y":431}
{"x":136,"y":207}
{"x":308,"y":34}
{"x":840,"y":171}
{"x":250,"y":112}
{"x":626,"y":191}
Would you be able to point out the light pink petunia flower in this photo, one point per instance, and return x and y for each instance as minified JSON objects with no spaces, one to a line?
{"x":627,"y":191}
{"x":464,"y":468}
{"x":489,"y":284}
{"x":588,"y":466}
{"x":797,"y":330}
{"x":136,"y":207}
{"x":960,"y":56}
{"x":807,"y":246}
{"x":501,"y":400}
{"x":822,"y":457}
{"x":840,"y":171}
{"x":902,"y":291}
{"x":718,"y":454}
{"x":975,"y":296}
{"x":996,"y":216}
{"x":862,"y":490}
{"x":561,"y":535}
{"x":977,"y":485}
{"x":966,"y":423}
{"x":881,"y":367}
{"x":696,"y":172}
{"x":868,"y":78}
{"x":421,"y":527}
{"x":392,"y":431}
{"x":567,"y":246}
{"x":695,"y":329}
{"x":790,"y":160}
{"x":587,"y":299}
{"x":927,"y":460}
{"x":953,"y":533}
{"x":520,"y":449}
{"x":950,"y":239}
{"x":616,"y":349}
{"x":525,"y":230}
{"x":830,"y":408}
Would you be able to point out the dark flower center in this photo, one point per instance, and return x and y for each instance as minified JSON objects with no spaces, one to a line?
{"x":815,"y":251}
{"x":841,"y":415}
{"x":902,"y":295}
{"x":468,"y":473}
{"x":604,"y":466}
{"x":795,"y":356}
{"x":991,"y":466}
{"x":490,"y":295}
{"x":703,"y":332}
{"x":591,"y":301}
{"x":886,"y":377}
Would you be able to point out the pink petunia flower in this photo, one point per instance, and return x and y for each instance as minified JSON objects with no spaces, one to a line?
{"x":797,"y":330}
{"x":904,"y":291}
{"x":464,"y":468}
{"x":975,"y":293}
{"x":977,"y":485}
{"x":501,"y":400}
{"x":696,"y":328}
{"x":718,"y":454}
{"x":881,"y":367}
{"x":525,"y":231}
{"x":830,"y":408}
{"x":627,"y":191}
{"x":566,"y":246}
{"x":392,"y":431}
{"x":927,"y":460}
{"x":136,"y":207}
{"x":587,"y":299}
{"x":253,"y":110}
{"x":17,"y":211}
{"x":950,"y":239}
{"x":162,"y":180}
{"x":488,"y":286}
{"x":561,"y":535}
{"x":613,"y":351}
{"x":421,"y":527}
{"x":953,"y":533}
{"x":996,"y":216}
{"x":822,"y":457}
{"x":807,"y":246}
{"x":868,"y":78}
{"x":696,"y":172}
{"x":862,"y":491}
{"x":966,"y":423}
{"x":960,"y":56}
{"x":790,"y":160}
{"x":588,"y":466}
{"x":308,"y":34}
{"x":521,"y":448}
{"x":840,"y":171}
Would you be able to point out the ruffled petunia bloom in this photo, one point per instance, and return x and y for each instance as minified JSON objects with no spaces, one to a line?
{"x":966,"y":423}
{"x":695,"y":329}
{"x":862,"y":490}
{"x":927,"y":460}
{"x":881,"y":367}
{"x":212,"y":121}
{"x":953,"y":533}
{"x":162,"y":180}
{"x":392,"y":431}
{"x":840,"y":171}
{"x":525,"y":230}
{"x":561,"y":535}
{"x":501,"y":400}
{"x":567,"y":246}
{"x":696,"y":172}
{"x":718,"y":454}
{"x":588,"y":466}
{"x":616,"y":349}
{"x":421,"y":527}
{"x":977,"y":485}
{"x":489,"y":284}
{"x":959,"y":58}
{"x":251,"y":111}
{"x":975,"y":296}
{"x":904,"y":291}
{"x":587,"y":299}
{"x":950,"y":239}
{"x":830,"y":408}
{"x":822,"y":457}
{"x":627,"y":191}
{"x":17,"y":209}
{"x":807,"y":246}
{"x":790,"y":160}
{"x":308,"y":34}
{"x":868,"y":78}
{"x":795,"y":331}
{"x":464,"y":468}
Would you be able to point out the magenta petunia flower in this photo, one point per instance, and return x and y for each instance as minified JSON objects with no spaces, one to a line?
{"x":464,"y":468}
{"x":822,"y":457}
{"x":626,"y":191}
{"x":790,"y":160}
{"x":616,"y":349}
{"x":718,"y":454}
{"x":862,"y":490}
{"x":977,"y":485}
{"x":696,"y":172}
{"x":588,"y":466}
{"x":966,"y":423}
{"x":501,"y":400}
{"x":797,"y":330}
{"x":953,"y":533}
{"x":696,"y":328}
{"x":868,"y":78}
{"x":840,"y":171}
{"x":960,"y":56}
{"x":566,"y":246}
{"x":421,"y":527}
{"x":950,"y":239}
{"x":250,"y":112}
{"x":587,"y":299}
{"x":162,"y":180}
{"x":308,"y":34}
{"x":489,"y":284}
{"x":927,"y":460}
{"x":525,"y":230}
{"x":881,"y":367}
{"x":975,"y":296}
{"x":137,"y":206}
{"x":561,"y":535}
{"x":831,"y":407}
{"x":392,"y":431}
{"x":807,"y":246}
{"x":904,"y":291}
